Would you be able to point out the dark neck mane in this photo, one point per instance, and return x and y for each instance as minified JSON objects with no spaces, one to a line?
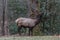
{"x":39,"y":18}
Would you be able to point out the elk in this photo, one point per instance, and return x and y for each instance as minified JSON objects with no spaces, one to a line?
{"x":28,"y":23}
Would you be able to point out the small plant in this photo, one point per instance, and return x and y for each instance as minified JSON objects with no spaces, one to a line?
{"x":12,"y":28}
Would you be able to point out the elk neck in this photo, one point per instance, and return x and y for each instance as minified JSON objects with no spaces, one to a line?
{"x":39,"y":18}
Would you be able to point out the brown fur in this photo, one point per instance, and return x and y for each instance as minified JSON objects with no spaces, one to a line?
{"x":28,"y":23}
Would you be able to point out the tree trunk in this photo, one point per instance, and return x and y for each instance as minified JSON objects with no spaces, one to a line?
{"x":4,"y":18}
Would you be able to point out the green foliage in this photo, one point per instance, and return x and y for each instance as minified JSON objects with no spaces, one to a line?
{"x":12,"y":28}
{"x":16,"y":9}
{"x":50,"y":24}
{"x":50,"y":21}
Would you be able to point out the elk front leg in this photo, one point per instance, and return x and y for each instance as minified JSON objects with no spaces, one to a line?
{"x":31,"y":31}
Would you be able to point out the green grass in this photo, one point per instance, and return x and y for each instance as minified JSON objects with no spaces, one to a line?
{"x":31,"y":38}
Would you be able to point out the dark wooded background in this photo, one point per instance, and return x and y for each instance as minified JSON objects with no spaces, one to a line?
{"x":12,"y":9}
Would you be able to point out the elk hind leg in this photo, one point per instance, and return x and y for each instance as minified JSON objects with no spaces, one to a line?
{"x":19,"y":30}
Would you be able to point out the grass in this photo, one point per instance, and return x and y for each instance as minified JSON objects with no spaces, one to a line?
{"x":31,"y":38}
